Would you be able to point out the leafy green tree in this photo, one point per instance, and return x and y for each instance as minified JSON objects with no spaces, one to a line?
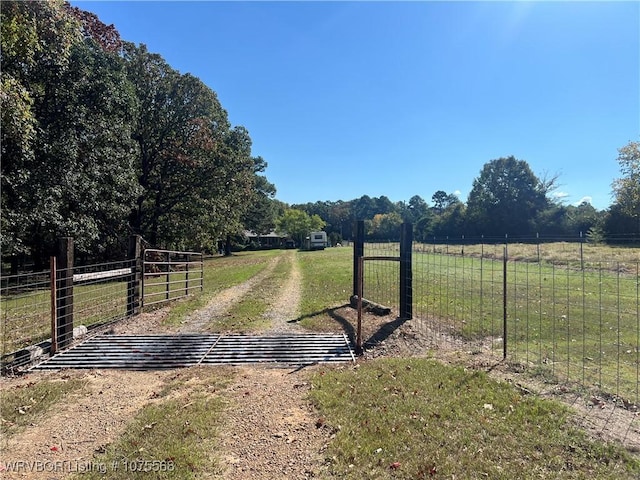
{"x":442,"y":200}
{"x":385,"y":226}
{"x":583,"y":218}
{"x":340,"y":221}
{"x":262,"y":212}
{"x":423,"y":228}
{"x":417,"y":209}
{"x":196,"y":173}
{"x":66,"y":166}
{"x":506,"y":198}
{"x":627,"y":188}
{"x":452,"y":222}
{"x":364,"y":208}
{"x":298,"y":224}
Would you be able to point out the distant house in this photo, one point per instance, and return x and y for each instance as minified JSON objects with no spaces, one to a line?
{"x":268,"y":240}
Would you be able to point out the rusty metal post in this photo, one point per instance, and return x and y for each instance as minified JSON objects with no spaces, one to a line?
{"x":358,"y":251}
{"x":201,"y":272}
{"x":168,"y":266}
{"x":186,"y":274}
{"x":64,"y":293}
{"x":54,"y":317}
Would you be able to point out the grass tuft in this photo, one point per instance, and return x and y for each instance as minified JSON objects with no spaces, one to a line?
{"x":173,"y":437}
{"x":22,"y":405}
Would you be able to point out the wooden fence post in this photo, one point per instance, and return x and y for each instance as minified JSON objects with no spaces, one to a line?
{"x":133,"y":285}
{"x":64,"y":292}
{"x":406,"y":272}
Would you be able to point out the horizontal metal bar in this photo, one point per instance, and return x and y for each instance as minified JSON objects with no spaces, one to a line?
{"x":392,"y":259}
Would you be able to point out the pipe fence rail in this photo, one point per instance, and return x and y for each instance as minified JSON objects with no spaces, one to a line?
{"x":169,"y":274}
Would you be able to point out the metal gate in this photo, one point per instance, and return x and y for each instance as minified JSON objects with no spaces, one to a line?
{"x":168,"y":275}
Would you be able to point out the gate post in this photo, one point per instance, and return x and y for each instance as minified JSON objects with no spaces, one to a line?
{"x":406,"y":272}
{"x":64,"y":292}
{"x":133,"y":285}
{"x":358,"y":251}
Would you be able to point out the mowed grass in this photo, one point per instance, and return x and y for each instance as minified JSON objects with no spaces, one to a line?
{"x":419,"y":419}
{"x":327,"y":283}
{"x":575,"y":321}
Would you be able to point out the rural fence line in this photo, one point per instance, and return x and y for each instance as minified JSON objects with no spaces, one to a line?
{"x":42,"y":312}
{"x":574,"y":322}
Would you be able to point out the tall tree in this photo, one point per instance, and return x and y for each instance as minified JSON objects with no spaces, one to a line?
{"x":417,"y":209}
{"x":627,"y":188}
{"x":67,"y":108}
{"x":385,"y":226}
{"x":196,"y":172}
{"x":506,"y":198}
{"x":262,"y":211}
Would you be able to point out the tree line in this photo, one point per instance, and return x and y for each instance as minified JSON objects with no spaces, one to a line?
{"x":102,"y":139}
{"x":507,"y":198}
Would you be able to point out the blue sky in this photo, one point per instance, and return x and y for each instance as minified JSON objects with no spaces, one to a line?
{"x":344,"y":99}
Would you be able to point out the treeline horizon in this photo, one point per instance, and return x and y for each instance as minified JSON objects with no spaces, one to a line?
{"x":102,"y":139}
{"x":507,"y":200}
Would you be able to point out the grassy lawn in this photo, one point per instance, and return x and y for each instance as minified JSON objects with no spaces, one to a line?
{"x":327,"y":282}
{"x":417,"y":418}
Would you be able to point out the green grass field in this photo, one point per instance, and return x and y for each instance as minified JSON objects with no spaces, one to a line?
{"x":418,"y":418}
{"x":579,"y":325}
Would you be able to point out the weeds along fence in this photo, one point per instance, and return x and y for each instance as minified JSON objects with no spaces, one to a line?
{"x":42,"y":312}
{"x":566,"y":312}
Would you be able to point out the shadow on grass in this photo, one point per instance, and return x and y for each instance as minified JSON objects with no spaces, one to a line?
{"x":332,"y":312}
{"x":383,"y":333}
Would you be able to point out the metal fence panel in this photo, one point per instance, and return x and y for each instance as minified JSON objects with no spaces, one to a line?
{"x":168,"y":275}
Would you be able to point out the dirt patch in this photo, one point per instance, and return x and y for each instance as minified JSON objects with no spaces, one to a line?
{"x":270,"y":429}
{"x":87,"y":421}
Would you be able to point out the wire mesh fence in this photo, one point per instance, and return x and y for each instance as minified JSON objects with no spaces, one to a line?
{"x":34,"y":308}
{"x":566,"y":313}
{"x":25,"y":302}
{"x":553,"y":308}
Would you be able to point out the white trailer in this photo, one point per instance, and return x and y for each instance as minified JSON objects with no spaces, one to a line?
{"x":317,"y":240}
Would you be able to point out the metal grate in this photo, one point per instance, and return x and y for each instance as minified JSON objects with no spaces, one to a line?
{"x":147,"y":352}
